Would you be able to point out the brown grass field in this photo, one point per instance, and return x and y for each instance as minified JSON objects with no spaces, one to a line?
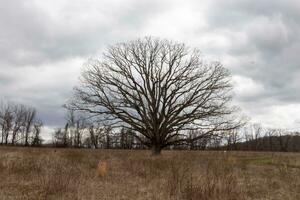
{"x":40,"y":173}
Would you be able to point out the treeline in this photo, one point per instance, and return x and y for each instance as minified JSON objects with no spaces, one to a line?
{"x":256,"y":138}
{"x":252,"y":137}
{"x":96,"y":137}
{"x":19,"y":125}
{"x":79,"y":132}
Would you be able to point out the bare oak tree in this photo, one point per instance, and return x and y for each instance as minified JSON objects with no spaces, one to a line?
{"x":158,"y":88}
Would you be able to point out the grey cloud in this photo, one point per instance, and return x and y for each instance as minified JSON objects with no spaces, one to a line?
{"x":38,"y":42}
{"x":267,"y":50}
{"x":31,"y":36}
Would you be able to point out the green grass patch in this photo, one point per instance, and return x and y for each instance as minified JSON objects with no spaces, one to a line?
{"x":259,"y":160}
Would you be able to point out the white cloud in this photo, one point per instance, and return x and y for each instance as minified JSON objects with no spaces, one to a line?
{"x":280,"y":116}
{"x":245,"y":87}
{"x":47,"y":133}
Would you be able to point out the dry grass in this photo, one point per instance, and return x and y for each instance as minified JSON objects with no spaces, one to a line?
{"x":31,"y":173}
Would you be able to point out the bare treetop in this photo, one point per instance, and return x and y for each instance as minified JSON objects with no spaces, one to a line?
{"x":158,"y":88}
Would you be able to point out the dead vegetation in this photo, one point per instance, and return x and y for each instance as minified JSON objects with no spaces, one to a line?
{"x":33,"y":173}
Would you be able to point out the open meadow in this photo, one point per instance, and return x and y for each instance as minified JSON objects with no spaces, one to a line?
{"x":42,"y":173}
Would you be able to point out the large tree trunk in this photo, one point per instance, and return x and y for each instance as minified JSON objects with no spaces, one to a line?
{"x":156,"y":149}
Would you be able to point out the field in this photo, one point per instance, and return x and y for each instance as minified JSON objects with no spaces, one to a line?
{"x":33,"y":173}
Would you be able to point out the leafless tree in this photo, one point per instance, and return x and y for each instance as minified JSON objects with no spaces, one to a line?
{"x":123,"y":138}
{"x":76,"y":125}
{"x":57,"y":137}
{"x":284,"y":139}
{"x":107,"y":132}
{"x":126,"y":138}
{"x":257,"y":133}
{"x":232,"y":137}
{"x":93,"y":137}
{"x":248,"y":137}
{"x":60,"y":137}
{"x":29,"y":118}
{"x":65,"y":137}
{"x":159,"y":89}
{"x":80,"y":128}
{"x":16,"y":122}
{"x":270,"y":134}
{"x":6,"y":121}
{"x":200,"y":143}
{"x":19,"y":115}
{"x":69,"y":133}
{"x":37,"y":140}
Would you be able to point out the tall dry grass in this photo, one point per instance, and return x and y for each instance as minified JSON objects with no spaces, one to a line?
{"x":31,"y":173}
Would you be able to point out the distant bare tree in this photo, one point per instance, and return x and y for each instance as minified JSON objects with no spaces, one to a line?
{"x":65,"y":140}
{"x":70,"y":128}
{"x":270,"y":133}
{"x":37,"y":140}
{"x":126,"y":138}
{"x":93,"y":137}
{"x":6,"y":121}
{"x":157,"y":88}
{"x":19,"y":115}
{"x":76,"y":124}
{"x":29,"y":118}
{"x":80,"y":127}
{"x":16,"y":121}
{"x":257,"y":133}
{"x":215,"y":142}
{"x":57,"y":137}
{"x":284,"y":139}
{"x":232,"y":137}
{"x":107,"y":132}
{"x":123,"y":138}
{"x":248,"y":136}
{"x":200,"y":143}
{"x":60,"y":137}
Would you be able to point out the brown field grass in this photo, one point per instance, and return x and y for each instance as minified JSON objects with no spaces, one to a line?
{"x":32,"y":173}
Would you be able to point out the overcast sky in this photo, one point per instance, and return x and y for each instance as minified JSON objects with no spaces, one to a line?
{"x":43,"y":45}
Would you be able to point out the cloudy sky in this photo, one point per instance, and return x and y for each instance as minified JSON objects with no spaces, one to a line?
{"x":44,"y":44}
